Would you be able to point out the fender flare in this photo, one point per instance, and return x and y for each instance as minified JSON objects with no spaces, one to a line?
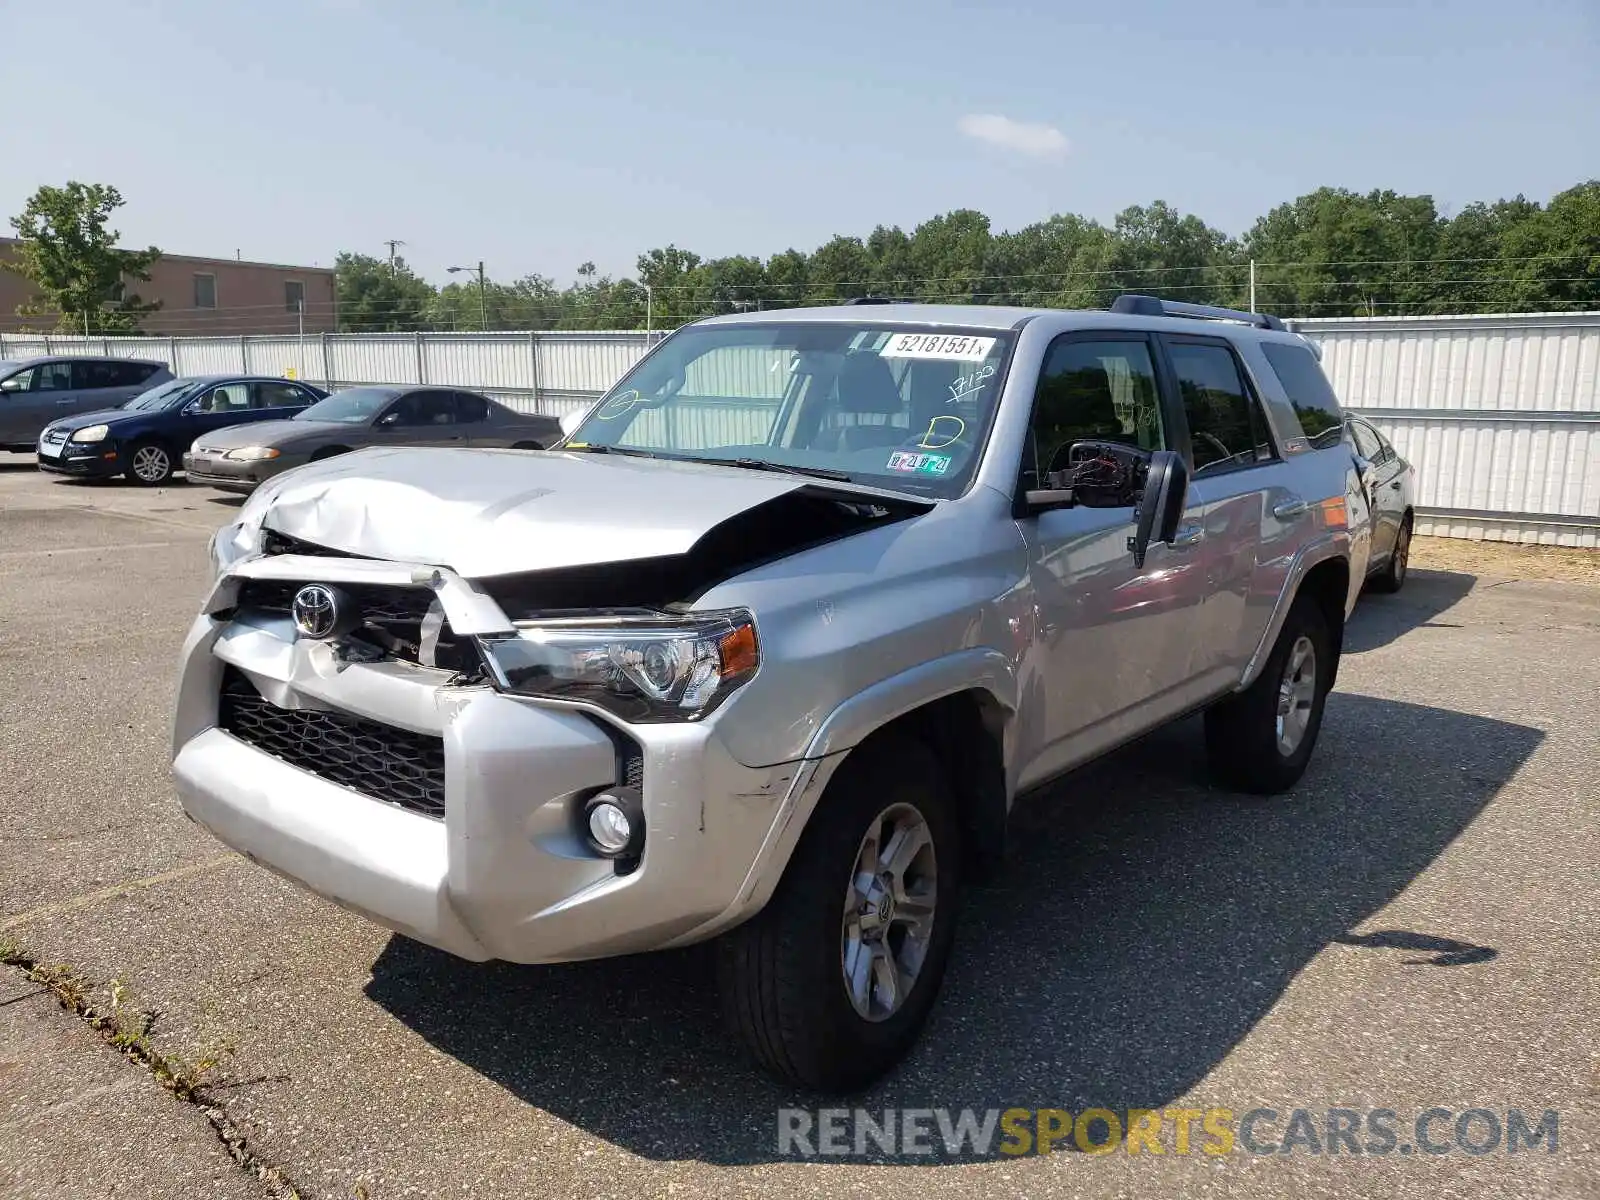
{"x":849,"y":724}
{"x":1334,"y":544}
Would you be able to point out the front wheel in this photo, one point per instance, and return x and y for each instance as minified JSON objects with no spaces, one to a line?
{"x":1261,"y":740}
{"x":149,"y":464}
{"x":1393,"y":576}
{"x":829,"y":985}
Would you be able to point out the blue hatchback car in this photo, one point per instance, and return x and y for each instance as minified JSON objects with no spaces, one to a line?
{"x":144,"y":440}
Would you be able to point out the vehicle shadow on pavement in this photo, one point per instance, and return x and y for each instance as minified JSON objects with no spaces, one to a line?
{"x":1144,"y":924}
{"x":1379,"y":619}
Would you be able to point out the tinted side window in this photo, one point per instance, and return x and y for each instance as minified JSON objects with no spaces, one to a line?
{"x":53,"y":377}
{"x":1307,"y":387}
{"x":1226,"y":427}
{"x":471,"y":408}
{"x":425,"y":408}
{"x":131,"y":374}
{"x":87,"y":376}
{"x":280,"y":395}
{"x":229,"y":397}
{"x":1366,"y":441}
{"x":1093,"y":391}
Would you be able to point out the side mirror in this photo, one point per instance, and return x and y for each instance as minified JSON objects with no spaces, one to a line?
{"x":1160,"y":508}
{"x":388,"y":420}
{"x":10,"y":385}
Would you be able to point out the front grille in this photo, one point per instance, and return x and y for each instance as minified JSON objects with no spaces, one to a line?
{"x":55,"y":437}
{"x":391,"y":617}
{"x":393,"y":765}
{"x":379,"y":604}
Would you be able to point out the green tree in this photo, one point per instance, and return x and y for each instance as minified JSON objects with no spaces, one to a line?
{"x":375,"y":297}
{"x":71,"y":259}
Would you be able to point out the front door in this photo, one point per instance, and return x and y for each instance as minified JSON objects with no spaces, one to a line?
{"x":33,"y":398}
{"x":1112,"y":649}
{"x":421,"y":418}
{"x":1383,"y":487}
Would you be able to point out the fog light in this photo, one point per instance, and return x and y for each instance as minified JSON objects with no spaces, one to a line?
{"x":614,"y":821}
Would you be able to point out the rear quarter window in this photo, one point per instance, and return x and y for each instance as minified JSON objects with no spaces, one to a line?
{"x":1315,"y":405}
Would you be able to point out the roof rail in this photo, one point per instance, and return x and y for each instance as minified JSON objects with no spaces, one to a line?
{"x":1150,"y":306}
{"x":875,"y":300}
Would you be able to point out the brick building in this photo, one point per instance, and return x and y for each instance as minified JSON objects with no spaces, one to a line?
{"x":205,"y":296}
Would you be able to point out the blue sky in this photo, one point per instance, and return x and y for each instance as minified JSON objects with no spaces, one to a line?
{"x":536,"y":136}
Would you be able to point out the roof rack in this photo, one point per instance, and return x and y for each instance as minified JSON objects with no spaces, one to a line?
{"x":1150,"y":306}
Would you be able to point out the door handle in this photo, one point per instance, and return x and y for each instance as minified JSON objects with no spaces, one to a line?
{"x":1395,"y":485}
{"x":1288,"y":510}
{"x":68,"y":400}
{"x":1187,"y":536}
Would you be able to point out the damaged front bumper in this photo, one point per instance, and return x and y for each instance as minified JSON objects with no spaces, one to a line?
{"x":504,"y":871}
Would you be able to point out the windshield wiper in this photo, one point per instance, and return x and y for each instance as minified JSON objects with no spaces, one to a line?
{"x":761,"y":464}
{"x":598,"y":448}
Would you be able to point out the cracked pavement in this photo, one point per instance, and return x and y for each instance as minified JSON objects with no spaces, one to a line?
{"x":1412,"y":927}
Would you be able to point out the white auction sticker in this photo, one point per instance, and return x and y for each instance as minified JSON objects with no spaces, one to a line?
{"x":961,"y":347}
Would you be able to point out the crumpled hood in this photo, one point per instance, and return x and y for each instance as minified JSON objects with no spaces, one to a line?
{"x":493,"y":512}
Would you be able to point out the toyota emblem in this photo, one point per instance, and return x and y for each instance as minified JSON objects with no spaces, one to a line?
{"x":316,"y":610}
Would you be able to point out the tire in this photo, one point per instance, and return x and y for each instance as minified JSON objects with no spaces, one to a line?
{"x":527,"y":446}
{"x":149,"y":464}
{"x":1393,"y":576}
{"x":328,"y":452}
{"x":1246,"y":748}
{"x":783,"y":975}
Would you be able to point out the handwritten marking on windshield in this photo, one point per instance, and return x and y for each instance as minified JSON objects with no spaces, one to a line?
{"x":967,"y":384}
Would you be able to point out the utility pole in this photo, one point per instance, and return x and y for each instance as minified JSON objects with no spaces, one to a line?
{"x":392,"y":243}
{"x":649,"y":313}
{"x":1253,"y":307}
{"x":483,"y":293}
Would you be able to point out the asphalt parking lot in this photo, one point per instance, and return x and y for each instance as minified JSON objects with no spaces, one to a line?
{"x":1414,"y":927}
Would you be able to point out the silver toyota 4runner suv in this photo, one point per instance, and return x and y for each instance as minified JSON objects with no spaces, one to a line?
{"x":765,"y":651}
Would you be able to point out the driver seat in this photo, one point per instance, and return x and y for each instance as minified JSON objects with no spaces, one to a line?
{"x":867,"y":387}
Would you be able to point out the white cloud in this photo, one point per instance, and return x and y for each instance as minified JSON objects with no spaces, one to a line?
{"x":1037,"y":141}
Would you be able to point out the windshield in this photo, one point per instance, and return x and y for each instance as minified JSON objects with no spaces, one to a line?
{"x":905,"y":409}
{"x":353,"y":406}
{"x":162,"y":395}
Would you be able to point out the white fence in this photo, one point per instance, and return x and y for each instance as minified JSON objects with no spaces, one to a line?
{"x":1500,"y":414}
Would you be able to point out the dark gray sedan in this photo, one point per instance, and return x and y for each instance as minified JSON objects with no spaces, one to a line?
{"x":237,"y":460}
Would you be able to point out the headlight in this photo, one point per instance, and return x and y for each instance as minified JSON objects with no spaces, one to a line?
{"x":95,"y":433}
{"x":232,"y":543}
{"x":647,"y":668}
{"x":251,"y":453}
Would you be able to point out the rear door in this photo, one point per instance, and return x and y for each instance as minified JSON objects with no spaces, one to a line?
{"x":100,"y":383}
{"x":278,"y":399}
{"x":473,"y":423}
{"x":1235,"y":461}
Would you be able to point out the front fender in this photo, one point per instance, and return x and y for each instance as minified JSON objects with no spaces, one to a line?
{"x":850,"y":723}
{"x":1333,"y":544}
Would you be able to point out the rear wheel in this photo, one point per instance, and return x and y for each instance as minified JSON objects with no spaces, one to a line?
{"x":829,"y":985}
{"x":149,"y":464}
{"x":1261,"y":740}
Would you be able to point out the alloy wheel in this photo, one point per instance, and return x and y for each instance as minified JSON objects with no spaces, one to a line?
{"x":889,"y":912}
{"x":1297,"y":692}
